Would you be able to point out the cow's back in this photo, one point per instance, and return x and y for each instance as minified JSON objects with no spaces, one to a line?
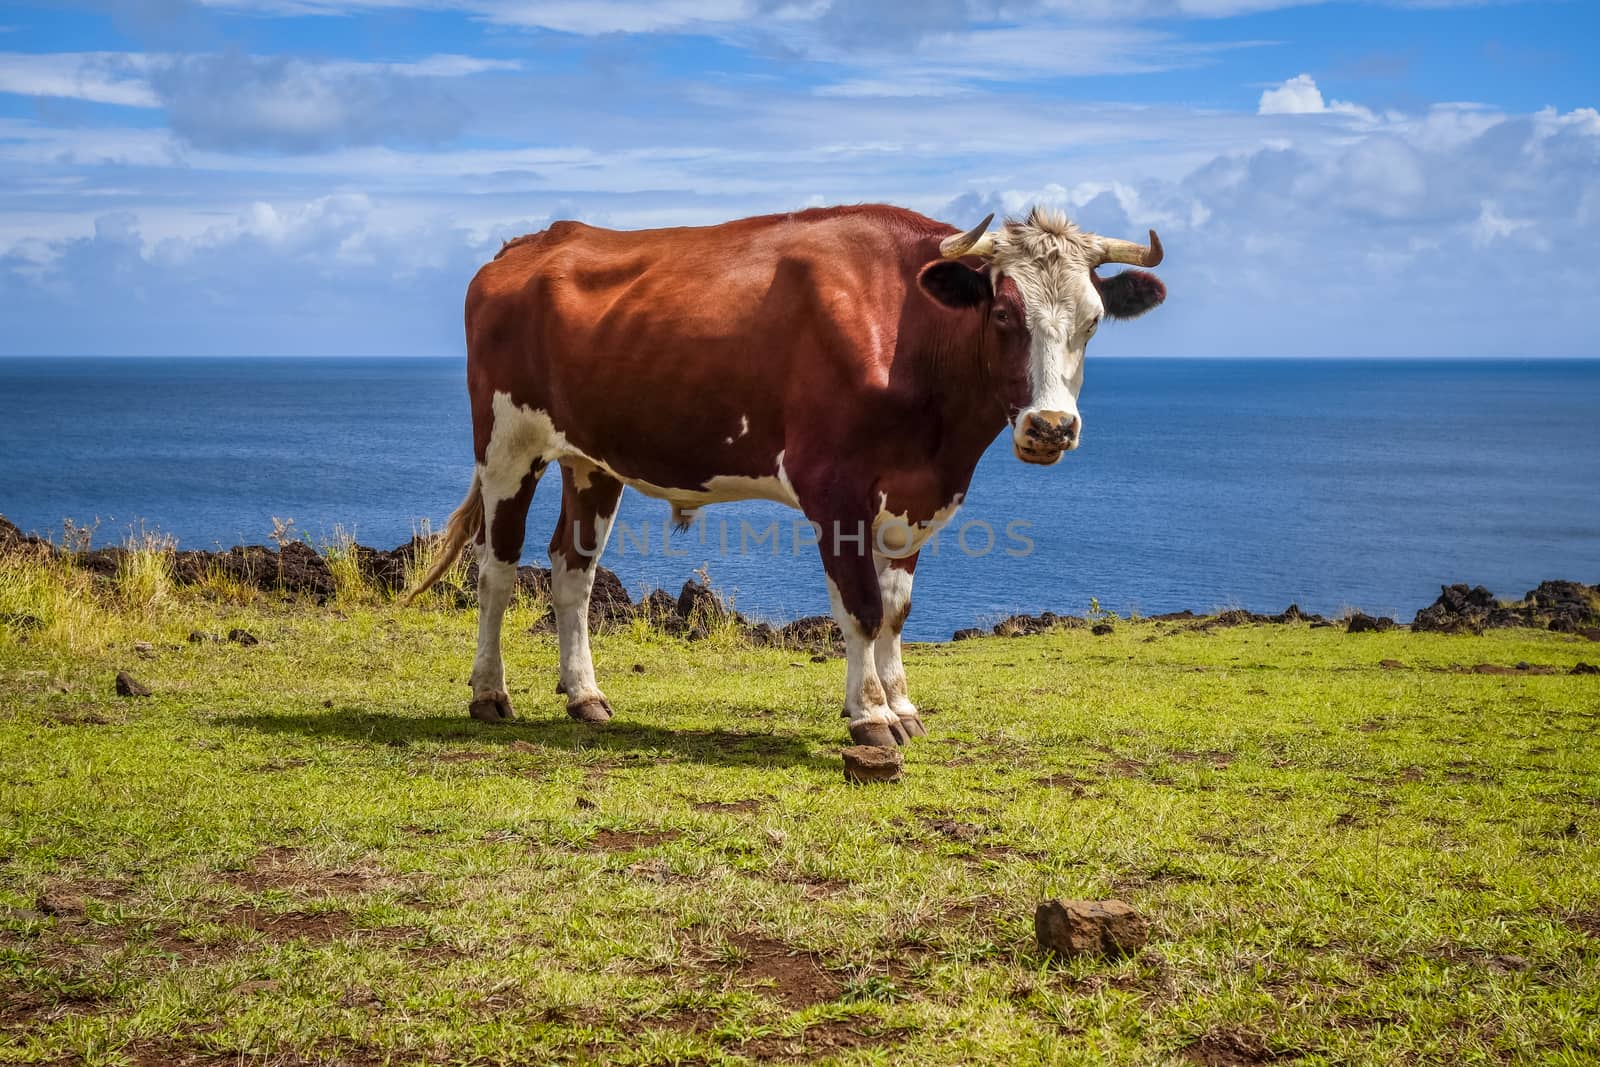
{"x":691,"y":349}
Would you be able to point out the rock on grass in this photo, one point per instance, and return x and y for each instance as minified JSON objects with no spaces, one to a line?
{"x":129,"y":686}
{"x":1089,"y":927}
{"x":869,"y":763}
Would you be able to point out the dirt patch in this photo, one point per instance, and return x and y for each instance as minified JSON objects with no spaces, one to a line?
{"x":628,"y":840}
{"x":463,"y":757}
{"x":1499,"y":669}
{"x":287,"y":868}
{"x":76,"y":718}
{"x":793,"y":978}
{"x":1585,"y":922}
{"x":25,"y":1009}
{"x":168,"y":1052}
{"x":966,"y":911}
{"x":747,"y":805}
{"x":318,"y":926}
{"x":814,"y":886}
{"x":1127,"y":767}
{"x":290,"y":926}
{"x":1229,"y":1049}
{"x":1217,"y":759}
{"x":815,"y":1041}
{"x":951,"y":830}
{"x":1072,"y":784}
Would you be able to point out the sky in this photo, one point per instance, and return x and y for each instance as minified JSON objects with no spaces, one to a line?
{"x":323,"y":177}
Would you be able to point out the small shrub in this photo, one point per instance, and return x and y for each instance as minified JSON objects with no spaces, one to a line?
{"x":349,"y":583}
{"x":44,"y":595}
{"x":144,"y":572}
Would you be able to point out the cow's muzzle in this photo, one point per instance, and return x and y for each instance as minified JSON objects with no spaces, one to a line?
{"x":1044,"y":436}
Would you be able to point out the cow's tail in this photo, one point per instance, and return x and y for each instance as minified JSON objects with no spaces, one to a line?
{"x":465,"y":522}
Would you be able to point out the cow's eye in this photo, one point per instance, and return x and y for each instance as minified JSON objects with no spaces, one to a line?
{"x":1001,"y":317}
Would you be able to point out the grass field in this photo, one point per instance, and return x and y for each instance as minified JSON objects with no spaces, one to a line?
{"x":303,"y":851}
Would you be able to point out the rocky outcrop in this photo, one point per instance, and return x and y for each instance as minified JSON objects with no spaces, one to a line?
{"x":1567,"y":607}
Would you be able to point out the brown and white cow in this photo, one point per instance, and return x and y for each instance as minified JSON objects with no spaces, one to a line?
{"x":851,"y":362}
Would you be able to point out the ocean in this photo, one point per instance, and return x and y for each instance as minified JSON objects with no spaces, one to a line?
{"x":1200,"y":483}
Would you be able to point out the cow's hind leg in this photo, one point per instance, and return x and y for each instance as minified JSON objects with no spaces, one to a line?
{"x":894,"y":582}
{"x":588,"y":505}
{"x":508,"y":483}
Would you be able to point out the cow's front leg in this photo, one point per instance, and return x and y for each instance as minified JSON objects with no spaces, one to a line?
{"x":846,"y":547}
{"x":894,"y":583}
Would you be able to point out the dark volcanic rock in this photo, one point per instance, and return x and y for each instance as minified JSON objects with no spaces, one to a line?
{"x":702,"y":610}
{"x":12,"y":538}
{"x":1028,"y":625}
{"x":1089,"y":927}
{"x":297,"y":568}
{"x":1362,"y":623}
{"x":1100,"y":629}
{"x":531,"y":581}
{"x":1569,"y":607}
{"x":608,"y":600}
{"x":1584,"y":668}
{"x":243,"y":637}
{"x":129,"y":686}
{"x":870,"y":763}
{"x":1240,"y":617}
{"x":814,"y":633}
{"x":1459,"y":608}
{"x":967,"y":634}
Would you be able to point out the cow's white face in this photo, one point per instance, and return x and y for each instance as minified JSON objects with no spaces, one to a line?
{"x":1043,"y":302}
{"x":1062,"y":310}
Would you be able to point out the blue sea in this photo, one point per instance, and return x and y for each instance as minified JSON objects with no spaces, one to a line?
{"x":1201,"y":483}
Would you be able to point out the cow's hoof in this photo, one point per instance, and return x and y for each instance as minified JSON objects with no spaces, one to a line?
{"x":593,"y":710}
{"x":496,"y":707}
{"x":875,"y":734}
{"x":911,"y":724}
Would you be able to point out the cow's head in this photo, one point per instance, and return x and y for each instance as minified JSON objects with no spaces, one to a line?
{"x":1041,"y":302}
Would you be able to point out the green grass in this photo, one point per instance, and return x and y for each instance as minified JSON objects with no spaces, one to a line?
{"x":305,"y":852}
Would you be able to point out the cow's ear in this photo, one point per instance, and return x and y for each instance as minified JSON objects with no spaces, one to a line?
{"x":954,"y":284}
{"x":1129,"y":294}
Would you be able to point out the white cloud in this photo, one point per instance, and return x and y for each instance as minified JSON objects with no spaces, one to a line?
{"x":130,"y":79}
{"x":98,"y":77}
{"x":1300,"y":96}
{"x":1492,"y":226}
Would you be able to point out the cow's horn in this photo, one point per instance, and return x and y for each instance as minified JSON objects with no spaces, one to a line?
{"x":1114,"y":251}
{"x":975,"y":242}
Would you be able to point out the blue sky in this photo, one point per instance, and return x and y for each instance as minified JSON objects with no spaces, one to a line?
{"x":323,"y":176}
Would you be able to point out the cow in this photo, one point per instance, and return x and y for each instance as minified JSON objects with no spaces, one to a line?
{"x":851,"y":362}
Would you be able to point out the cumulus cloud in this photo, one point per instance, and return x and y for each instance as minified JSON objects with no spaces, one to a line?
{"x":1300,"y":96}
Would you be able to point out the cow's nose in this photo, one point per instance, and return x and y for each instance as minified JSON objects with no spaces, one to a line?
{"x":1053,"y":427}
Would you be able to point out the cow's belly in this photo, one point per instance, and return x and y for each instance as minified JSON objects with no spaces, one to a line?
{"x":523,"y":435}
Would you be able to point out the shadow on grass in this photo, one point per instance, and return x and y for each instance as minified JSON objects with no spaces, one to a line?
{"x":721,"y":747}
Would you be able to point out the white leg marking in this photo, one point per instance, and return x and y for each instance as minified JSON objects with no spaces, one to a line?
{"x":896,"y":586}
{"x":496,"y":581}
{"x":863,"y":693}
{"x":569,"y":592}
{"x":507,"y":460}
